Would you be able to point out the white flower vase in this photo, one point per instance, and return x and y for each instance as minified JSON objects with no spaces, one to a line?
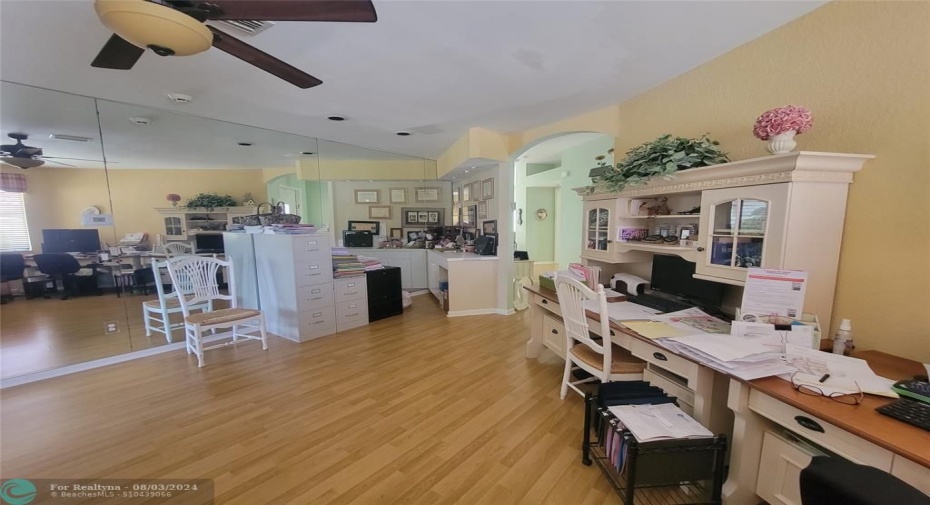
{"x":782,"y":143}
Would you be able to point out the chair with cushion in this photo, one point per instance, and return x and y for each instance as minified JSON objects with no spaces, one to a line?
{"x":603,"y":360}
{"x":156,"y":313}
{"x":201,"y":273}
{"x":12,"y":266}
{"x":64,"y":268}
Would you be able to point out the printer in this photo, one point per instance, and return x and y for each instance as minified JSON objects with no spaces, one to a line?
{"x":132,"y":243}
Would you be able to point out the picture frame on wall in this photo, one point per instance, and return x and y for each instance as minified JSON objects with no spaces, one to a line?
{"x":411,"y":217}
{"x":428,"y":194}
{"x":422,"y":217}
{"x":487,"y":189}
{"x":466,"y":192}
{"x":398,"y":195}
{"x":471,"y":216}
{"x":366,"y":196}
{"x":482,"y":209}
{"x":489,"y":226}
{"x":379,"y":212}
{"x":373,"y":227}
{"x":476,"y":190}
{"x":412,"y":234}
{"x":456,"y":215}
{"x":455,"y":195}
{"x":397,"y":233}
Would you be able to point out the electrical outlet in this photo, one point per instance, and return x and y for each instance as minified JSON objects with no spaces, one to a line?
{"x":111,"y":327}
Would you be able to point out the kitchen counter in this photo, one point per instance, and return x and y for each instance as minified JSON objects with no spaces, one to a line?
{"x":464,"y":283}
{"x":461,"y":256}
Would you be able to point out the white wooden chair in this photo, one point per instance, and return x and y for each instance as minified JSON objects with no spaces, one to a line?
{"x":156,"y":313}
{"x":202,"y":275}
{"x":605,"y":361}
{"x":178,"y":249}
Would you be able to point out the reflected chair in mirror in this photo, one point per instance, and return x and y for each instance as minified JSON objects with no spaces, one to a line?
{"x":173,"y":249}
{"x":156,"y":314}
{"x":12,"y":266}
{"x":603,"y":360}
{"x":63,"y":269}
{"x":202,"y":273}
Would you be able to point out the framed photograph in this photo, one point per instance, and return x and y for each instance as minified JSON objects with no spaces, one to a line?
{"x":398,"y":195}
{"x":455,"y":195}
{"x":471,"y":216}
{"x":366,"y":196}
{"x":427,"y":194}
{"x":373,"y":227}
{"x":412,"y":234}
{"x":466,"y":192}
{"x":433,"y":217}
{"x":379,"y":212}
{"x":487,"y":189}
{"x":489,"y":227}
{"x":423,"y":217}
{"x":483,"y":209}
{"x":397,"y":233}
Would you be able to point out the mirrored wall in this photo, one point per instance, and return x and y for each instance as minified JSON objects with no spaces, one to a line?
{"x":120,"y":176}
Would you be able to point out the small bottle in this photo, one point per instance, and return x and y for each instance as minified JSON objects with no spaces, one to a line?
{"x":843,"y":339}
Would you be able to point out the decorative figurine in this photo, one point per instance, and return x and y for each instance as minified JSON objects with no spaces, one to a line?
{"x":661,"y":208}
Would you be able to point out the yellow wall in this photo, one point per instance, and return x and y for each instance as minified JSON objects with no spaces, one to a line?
{"x":55,"y":196}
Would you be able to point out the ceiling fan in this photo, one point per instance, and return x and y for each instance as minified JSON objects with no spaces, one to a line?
{"x":23,"y":156}
{"x":176,"y":28}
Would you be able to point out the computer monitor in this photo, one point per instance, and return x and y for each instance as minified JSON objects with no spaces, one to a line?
{"x":68,"y":241}
{"x":209,"y":243}
{"x":675,"y":276}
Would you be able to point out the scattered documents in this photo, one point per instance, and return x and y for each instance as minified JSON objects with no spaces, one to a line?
{"x":845,"y":375}
{"x":623,"y":311}
{"x":658,"y":422}
{"x":654,"y":329}
{"x":769,"y":291}
{"x":742,"y":358}
{"x":766,"y":334}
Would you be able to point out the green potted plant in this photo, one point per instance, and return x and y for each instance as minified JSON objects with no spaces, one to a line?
{"x":661,"y":157}
{"x":210,"y":201}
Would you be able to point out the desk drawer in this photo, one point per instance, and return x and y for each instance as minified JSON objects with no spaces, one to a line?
{"x":821,"y":432}
{"x":554,"y":335}
{"x":912,"y":473}
{"x":547,"y":304}
{"x":314,"y":272}
{"x":665,"y":359}
{"x":780,"y":468}
{"x":355,"y":288}
{"x":312,"y":297}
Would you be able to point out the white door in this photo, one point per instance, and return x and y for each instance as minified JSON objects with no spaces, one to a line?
{"x":292,"y":198}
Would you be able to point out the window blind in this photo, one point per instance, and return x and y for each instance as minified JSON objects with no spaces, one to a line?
{"x":14,"y":232}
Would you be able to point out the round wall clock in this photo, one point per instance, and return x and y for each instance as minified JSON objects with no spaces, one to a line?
{"x":90,"y":210}
{"x":542,"y":214}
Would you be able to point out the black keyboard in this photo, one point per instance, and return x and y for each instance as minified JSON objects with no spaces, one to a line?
{"x":909,"y":411}
{"x":659,"y":303}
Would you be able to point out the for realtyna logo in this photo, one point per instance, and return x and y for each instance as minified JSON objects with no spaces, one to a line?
{"x":17,"y":492}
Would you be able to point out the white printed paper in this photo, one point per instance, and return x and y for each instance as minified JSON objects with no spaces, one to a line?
{"x":773,"y":292}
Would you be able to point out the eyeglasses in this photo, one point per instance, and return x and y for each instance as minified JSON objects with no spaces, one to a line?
{"x":846,"y":398}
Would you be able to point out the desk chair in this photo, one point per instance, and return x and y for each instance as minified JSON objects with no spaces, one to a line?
{"x":12,"y":266}
{"x":166,"y":304}
{"x":605,"y":361}
{"x":201,"y":273}
{"x":62,"y":268}
{"x":837,"y":481}
{"x":173,"y":249}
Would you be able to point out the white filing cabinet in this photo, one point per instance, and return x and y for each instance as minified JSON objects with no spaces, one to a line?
{"x":240,"y":248}
{"x":295,"y":281}
{"x":351,"y":296}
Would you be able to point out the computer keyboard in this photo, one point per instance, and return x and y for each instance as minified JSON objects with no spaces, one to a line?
{"x":659,"y":303}
{"x":909,"y":411}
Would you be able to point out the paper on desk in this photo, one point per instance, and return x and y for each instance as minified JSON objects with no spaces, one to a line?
{"x":695,"y":320}
{"x":724,"y":347}
{"x":845,"y":372}
{"x":654,"y":329}
{"x":624,"y":311}
{"x":657,"y":422}
{"x":769,"y":291}
{"x":767,"y":335}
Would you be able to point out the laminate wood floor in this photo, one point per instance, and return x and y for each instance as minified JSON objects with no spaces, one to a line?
{"x":418,"y":408}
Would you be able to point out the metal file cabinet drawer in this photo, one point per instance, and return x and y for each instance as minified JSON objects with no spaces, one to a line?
{"x":351,"y":310}
{"x":684,"y":395}
{"x":354,"y":288}
{"x":665,"y":359}
{"x":547,"y":304}
{"x":317,"y":323}
{"x":312,"y":297}
{"x":309,"y":247}
{"x":820,"y":432}
{"x":315,"y":272}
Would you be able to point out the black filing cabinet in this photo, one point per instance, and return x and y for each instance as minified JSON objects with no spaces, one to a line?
{"x":385,"y":298}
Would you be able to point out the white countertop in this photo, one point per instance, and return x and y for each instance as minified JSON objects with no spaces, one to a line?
{"x":462,"y":256}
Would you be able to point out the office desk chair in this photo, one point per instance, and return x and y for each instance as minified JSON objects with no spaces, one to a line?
{"x":837,"y":481}
{"x":605,"y":361}
{"x":12,"y":266}
{"x":61,"y":267}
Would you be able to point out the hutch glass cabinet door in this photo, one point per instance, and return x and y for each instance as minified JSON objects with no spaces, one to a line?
{"x":174,"y":227}
{"x":597,"y":229}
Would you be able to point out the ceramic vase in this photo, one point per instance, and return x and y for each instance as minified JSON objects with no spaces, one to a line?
{"x":782,"y":143}
{"x":174,"y":204}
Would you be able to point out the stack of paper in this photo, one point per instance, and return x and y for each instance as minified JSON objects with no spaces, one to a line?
{"x":835,"y":373}
{"x":658,"y":422}
{"x":741,"y":358}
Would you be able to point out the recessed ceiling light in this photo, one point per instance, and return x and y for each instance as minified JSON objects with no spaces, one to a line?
{"x":307,"y":153}
{"x":245,"y":144}
{"x":180,"y":98}
{"x":140,"y":120}
{"x":403,"y":134}
{"x":336,"y":118}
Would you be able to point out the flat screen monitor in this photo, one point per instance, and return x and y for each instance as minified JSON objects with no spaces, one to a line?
{"x":675,"y":276}
{"x":209,"y":243}
{"x":66,"y":241}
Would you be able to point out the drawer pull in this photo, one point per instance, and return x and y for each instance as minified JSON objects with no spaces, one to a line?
{"x":315,"y":291}
{"x":659,"y":356}
{"x":545,"y":302}
{"x":351,"y":292}
{"x":612,"y":334}
{"x":809,"y":423}
{"x":350,"y":315}
{"x":317,"y":322}
{"x":555,"y":331}
{"x":316,"y":297}
{"x":350,"y":285}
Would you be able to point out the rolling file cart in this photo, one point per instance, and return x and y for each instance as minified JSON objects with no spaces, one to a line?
{"x":660,"y":472}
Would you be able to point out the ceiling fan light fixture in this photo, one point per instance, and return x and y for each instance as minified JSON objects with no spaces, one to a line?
{"x":149,"y":26}
{"x":23,"y":162}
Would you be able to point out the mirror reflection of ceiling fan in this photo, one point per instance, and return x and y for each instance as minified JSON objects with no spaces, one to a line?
{"x":23,"y":156}
{"x":176,"y":28}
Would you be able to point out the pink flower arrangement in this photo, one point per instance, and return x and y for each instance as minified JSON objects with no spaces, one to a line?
{"x":781,"y":120}
{"x":173,"y":197}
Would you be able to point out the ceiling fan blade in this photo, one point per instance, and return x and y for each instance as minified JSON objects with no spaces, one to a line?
{"x":117,"y":54}
{"x":263,"y":60}
{"x":358,"y":11}
{"x":73,"y":159}
{"x":59,"y":163}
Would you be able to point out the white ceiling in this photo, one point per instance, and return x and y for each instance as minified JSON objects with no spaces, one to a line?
{"x":432,"y":67}
{"x":550,"y":151}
